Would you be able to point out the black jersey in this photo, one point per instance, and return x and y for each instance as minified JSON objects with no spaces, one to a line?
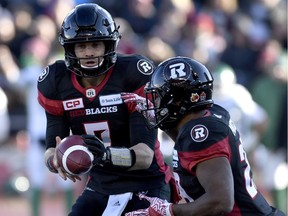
{"x":101,"y":111}
{"x":215,"y":135}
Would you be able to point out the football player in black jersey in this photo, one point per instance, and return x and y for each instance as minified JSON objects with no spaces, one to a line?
{"x":210,"y":163}
{"x":82,"y":95}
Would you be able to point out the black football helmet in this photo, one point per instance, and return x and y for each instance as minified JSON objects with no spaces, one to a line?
{"x":89,"y":22}
{"x":178,"y":85}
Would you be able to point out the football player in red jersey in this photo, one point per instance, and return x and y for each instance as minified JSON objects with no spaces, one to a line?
{"x":81,"y":95}
{"x":210,"y":163}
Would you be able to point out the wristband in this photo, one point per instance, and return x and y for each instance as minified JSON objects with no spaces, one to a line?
{"x":50,"y":165}
{"x":123,"y":158}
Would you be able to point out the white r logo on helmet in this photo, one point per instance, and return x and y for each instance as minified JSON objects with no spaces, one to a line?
{"x":177,"y":70}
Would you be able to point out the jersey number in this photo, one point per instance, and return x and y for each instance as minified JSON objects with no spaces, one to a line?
{"x":100,"y":129}
{"x":249,"y":183}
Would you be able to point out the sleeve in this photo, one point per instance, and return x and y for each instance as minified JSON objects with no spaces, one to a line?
{"x":56,"y":126}
{"x":140,"y":133}
{"x":47,"y":91}
{"x":139,"y":71}
{"x":214,"y":143}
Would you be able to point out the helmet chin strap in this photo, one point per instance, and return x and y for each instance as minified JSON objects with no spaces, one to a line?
{"x":93,"y":67}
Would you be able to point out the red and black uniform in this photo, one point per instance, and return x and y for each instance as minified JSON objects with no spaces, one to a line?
{"x":214,"y":135}
{"x":101,"y":111}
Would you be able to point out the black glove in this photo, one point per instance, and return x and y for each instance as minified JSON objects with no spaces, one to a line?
{"x":96,"y":146}
{"x":110,"y":157}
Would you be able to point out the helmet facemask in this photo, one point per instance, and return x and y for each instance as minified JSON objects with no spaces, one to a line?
{"x":160,"y":112}
{"x":168,"y":107}
{"x":105,"y":62}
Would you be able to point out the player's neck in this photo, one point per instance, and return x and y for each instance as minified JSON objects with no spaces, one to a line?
{"x":189,"y":117}
{"x":173,"y":133}
{"x":92,"y":82}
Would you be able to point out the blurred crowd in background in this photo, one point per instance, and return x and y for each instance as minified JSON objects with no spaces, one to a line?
{"x":242,"y":42}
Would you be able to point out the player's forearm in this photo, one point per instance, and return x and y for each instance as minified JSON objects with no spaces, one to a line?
{"x":207,"y":204}
{"x":137,"y":157}
{"x":144,"y":156}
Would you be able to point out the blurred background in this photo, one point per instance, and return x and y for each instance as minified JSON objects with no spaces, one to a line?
{"x":242,"y":42}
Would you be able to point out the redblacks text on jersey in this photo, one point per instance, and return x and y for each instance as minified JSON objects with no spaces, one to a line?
{"x":101,"y":111}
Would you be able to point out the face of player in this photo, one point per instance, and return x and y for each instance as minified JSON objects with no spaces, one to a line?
{"x":90,"y":53}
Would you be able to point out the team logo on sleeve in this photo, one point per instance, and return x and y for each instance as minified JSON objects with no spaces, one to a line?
{"x":44,"y":74}
{"x":145,"y":67}
{"x":199,"y":133}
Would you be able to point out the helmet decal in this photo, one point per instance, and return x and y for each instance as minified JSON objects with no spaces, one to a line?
{"x":199,"y":133}
{"x":194,"y":97}
{"x":203,"y":96}
{"x":145,"y":67}
{"x":177,"y":70}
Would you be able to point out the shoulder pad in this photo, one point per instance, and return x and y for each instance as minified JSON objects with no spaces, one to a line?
{"x":47,"y":87}
{"x":136,"y":63}
{"x":145,"y":66}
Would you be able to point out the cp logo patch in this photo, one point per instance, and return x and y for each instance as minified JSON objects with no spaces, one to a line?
{"x":199,"y":133}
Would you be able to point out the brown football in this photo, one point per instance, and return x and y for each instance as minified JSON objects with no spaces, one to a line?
{"x":73,"y":156}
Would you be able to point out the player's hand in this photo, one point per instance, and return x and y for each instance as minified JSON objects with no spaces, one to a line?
{"x":64,"y":175}
{"x":157,"y":207}
{"x":96,"y":146}
{"x":139,"y":104}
